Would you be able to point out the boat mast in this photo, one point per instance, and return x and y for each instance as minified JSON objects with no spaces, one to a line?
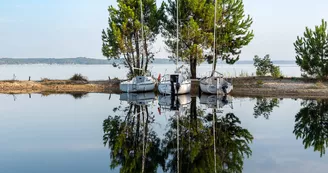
{"x":214,"y":45}
{"x":142,"y":33}
{"x":176,"y":62}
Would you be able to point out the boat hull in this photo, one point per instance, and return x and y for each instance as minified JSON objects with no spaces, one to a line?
{"x":210,"y":86}
{"x":165,"y":88}
{"x":134,"y":88}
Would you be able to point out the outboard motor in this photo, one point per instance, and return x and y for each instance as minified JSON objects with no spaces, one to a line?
{"x":224,"y":87}
{"x":174,"y":79}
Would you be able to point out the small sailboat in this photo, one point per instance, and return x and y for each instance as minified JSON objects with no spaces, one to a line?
{"x":215,"y":83}
{"x":139,"y":83}
{"x":178,"y":82}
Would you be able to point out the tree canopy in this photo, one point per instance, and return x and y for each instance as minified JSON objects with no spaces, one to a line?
{"x":122,"y":38}
{"x":196,"y":33}
{"x":312,"y":51}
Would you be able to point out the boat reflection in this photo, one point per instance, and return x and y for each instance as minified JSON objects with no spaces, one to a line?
{"x":138,"y":98}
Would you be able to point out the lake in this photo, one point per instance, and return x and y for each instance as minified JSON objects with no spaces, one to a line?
{"x":148,"y":133}
{"x":101,"y":72}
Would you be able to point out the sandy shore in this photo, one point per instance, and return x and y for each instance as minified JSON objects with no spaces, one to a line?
{"x":245,"y":86}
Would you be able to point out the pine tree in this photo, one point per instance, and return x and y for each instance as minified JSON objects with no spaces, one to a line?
{"x":312,"y":51}
{"x":196,"y":33}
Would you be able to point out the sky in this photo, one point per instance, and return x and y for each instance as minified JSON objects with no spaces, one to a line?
{"x":72,"y":28}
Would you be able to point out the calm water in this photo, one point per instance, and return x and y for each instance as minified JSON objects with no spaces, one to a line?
{"x":101,"y":72}
{"x":131,"y":133}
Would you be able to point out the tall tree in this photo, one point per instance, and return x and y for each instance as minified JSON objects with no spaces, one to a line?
{"x":122,"y":38}
{"x":196,"y":32}
{"x":312,"y":51}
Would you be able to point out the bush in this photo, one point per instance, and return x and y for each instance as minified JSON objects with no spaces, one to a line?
{"x":78,"y":77}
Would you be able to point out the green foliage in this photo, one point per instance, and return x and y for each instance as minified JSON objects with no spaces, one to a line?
{"x":122,"y":37}
{"x":264,"y":66}
{"x":312,"y":51}
{"x":311,"y":125}
{"x":196,"y":31}
{"x":275,"y":72}
{"x":78,"y":77}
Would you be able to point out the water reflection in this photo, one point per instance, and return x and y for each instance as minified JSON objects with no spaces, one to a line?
{"x":264,"y":107}
{"x":195,"y":139}
{"x":311,"y":124}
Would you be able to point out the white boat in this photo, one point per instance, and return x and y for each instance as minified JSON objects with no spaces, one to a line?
{"x":138,"y":84}
{"x":176,"y":83}
{"x":215,"y":84}
{"x":138,"y":98}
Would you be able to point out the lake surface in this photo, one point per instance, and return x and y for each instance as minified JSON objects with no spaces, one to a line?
{"x":101,"y":72}
{"x":147,"y":133}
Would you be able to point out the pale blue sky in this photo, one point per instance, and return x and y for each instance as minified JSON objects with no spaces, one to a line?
{"x":71,"y":28}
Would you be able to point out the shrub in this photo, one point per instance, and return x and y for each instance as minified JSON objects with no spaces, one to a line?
{"x":275,"y":71}
{"x":265,"y":66}
{"x":78,"y":77}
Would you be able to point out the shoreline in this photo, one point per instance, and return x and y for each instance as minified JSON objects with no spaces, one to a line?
{"x":243,"y":87}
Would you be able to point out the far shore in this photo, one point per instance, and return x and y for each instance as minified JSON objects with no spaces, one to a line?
{"x":243,"y":87}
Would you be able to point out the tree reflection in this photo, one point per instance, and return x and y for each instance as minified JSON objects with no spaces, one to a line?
{"x":311,"y":125}
{"x":264,"y":107}
{"x":133,"y":145}
{"x":199,"y":142}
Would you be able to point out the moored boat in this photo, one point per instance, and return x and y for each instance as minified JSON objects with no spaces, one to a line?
{"x":138,"y":84}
